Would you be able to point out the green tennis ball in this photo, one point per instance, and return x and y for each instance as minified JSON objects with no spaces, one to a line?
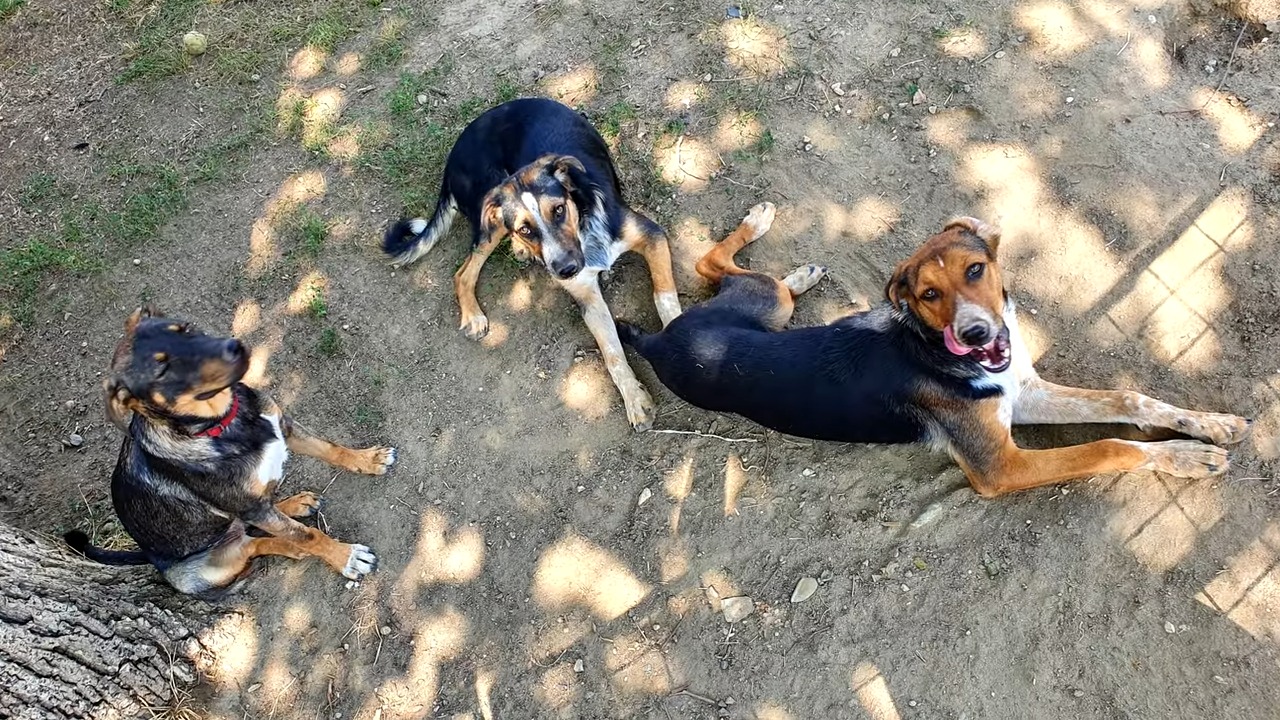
{"x":195,"y":43}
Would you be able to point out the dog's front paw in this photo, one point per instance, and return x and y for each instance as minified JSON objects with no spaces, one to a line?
{"x":760,"y":219}
{"x":374,"y":460}
{"x":1186,"y":458}
{"x":640,"y":407}
{"x":360,"y":562}
{"x":1217,"y":428}
{"x":302,"y":505}
{"x":476,"y":326}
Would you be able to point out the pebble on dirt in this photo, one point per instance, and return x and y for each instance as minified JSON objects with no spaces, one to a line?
{"x":737,"y":608}
{"x":804,"y":589}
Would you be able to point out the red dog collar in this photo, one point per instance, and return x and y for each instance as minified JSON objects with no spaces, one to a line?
{"x":226,"y":421}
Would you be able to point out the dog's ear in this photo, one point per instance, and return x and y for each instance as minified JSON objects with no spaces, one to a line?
{"x":493,"y":224}
{"x":896,"y":289}
{"x":118,"y":402}
{"x":989,"y":234}
{"x":569,"y":171}
{"x":137,"y":316}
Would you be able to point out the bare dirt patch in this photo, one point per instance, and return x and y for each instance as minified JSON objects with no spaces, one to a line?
{"x":1128,"y":153}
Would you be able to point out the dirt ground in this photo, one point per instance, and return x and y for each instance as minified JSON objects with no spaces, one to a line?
{"x":1128,"y":152}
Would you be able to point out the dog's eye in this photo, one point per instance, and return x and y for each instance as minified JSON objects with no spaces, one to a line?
{"x":975,"y":271}
{"x":525,"y":230}
{"x":929,"y":294}
{"x":558,"y":211}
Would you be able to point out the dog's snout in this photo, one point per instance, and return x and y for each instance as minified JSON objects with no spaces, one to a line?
{"x":567,"y":269}
{"x":976,"y":335}
{"x":233,"y":350}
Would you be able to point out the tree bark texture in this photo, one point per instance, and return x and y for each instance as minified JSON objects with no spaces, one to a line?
{"x":83,"y":640}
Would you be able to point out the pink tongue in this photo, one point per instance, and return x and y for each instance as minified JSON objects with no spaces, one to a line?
{"x":955,"y":347}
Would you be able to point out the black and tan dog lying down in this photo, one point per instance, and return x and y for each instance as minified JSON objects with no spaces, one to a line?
{"x":202,"y":456}
{"x":941,"y":362}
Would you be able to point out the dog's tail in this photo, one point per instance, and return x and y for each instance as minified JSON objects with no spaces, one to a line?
{"x":80,"y":543}
{"x":632,"y":335}
{"x":408,"y":240}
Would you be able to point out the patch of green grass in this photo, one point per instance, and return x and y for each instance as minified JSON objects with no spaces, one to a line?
{"x":369,"y":417}
{"x":388,"y":47}
{"x":675,"y":126}
{"x":160,"y":195}
{"x":329,"y":343}
{"x":76,"y":235}
{"x":318,"y":308}
{"x":9,"y":7}
{"x":158,"y":51}
{"x":314,"y":232}
{"x":614,"y":116}
{"x":329,"y":30}
{"x":506,"y":91}
{"x":37,"y":192}
{"x":238,"y":63}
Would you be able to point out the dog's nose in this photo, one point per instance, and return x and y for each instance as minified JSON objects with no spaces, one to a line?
{"x":566,"y":270}
{"x":976,"y":335}
{"x":233,"y":350}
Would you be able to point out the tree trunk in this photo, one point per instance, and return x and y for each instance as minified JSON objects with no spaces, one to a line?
{"x":83,"y":640}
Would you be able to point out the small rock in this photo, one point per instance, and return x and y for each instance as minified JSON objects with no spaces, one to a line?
{"x":804,"y":589}
{"x":737,"y":608}
{"x":137,"y":261}
{"x":905,"y":588}
{"x":75,"y":440}
{"x":999,"y":54}
{"x":422,"y":99}
{"x":385,"y":629}
{"x":254,"y":687}
{"x":808,"y":147}
{"x":70,"y":404}
{"x":808,"y":472}
{"x":729,"y":700}
{"x":1219,"y":679}
{"x":895,"y":52}
{"x":1170,"y":628}
{"x":578,"y":666}
{"x":645,"y":494}
{"x":933,"y":109}
{"x":1078,"y":692}
{"x":917,"y":97}
{"x":912,"y":703}
{"x":580,"y":488}
{"x":255,"y":77}
{"x":838,"y":89}
{"x":706,"y":78}
{"x":1070,"y":100}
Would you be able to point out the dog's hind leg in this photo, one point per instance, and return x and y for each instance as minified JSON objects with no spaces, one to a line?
{"x":718,"y":263}
{"x":222,"y":565}
{"x":642,"y":235}
{"x":368,"y":461}
{"x":1042,"y":402}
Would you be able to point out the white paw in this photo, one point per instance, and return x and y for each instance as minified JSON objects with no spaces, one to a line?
{"x":760,"y":219}
{"x":804,"y":278}
{"x":476,"y":326}
{"x":640,"y":408}
{"x":360,"y":562}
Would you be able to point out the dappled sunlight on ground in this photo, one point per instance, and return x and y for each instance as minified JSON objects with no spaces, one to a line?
{"x":574,"y":572}
{"x":873,"y":693}
{"x":755,"y":48}
{"x":1247,"y":591}
{"x":572,"y":87}
{"x":1160,"y":519}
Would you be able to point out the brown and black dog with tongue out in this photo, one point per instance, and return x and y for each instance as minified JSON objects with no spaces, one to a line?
{"x":941,"y":362}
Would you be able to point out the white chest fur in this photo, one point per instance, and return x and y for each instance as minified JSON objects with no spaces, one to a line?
{"x":1019,"y":371}
{"x":274,"y":455}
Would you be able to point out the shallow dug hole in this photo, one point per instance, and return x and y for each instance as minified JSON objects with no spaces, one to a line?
{"x":1129,"y":155}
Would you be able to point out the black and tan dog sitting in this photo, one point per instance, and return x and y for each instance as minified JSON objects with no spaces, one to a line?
{"x":537,"y":172}
{"x":202,"y":455}
{"x":941,"y":362}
